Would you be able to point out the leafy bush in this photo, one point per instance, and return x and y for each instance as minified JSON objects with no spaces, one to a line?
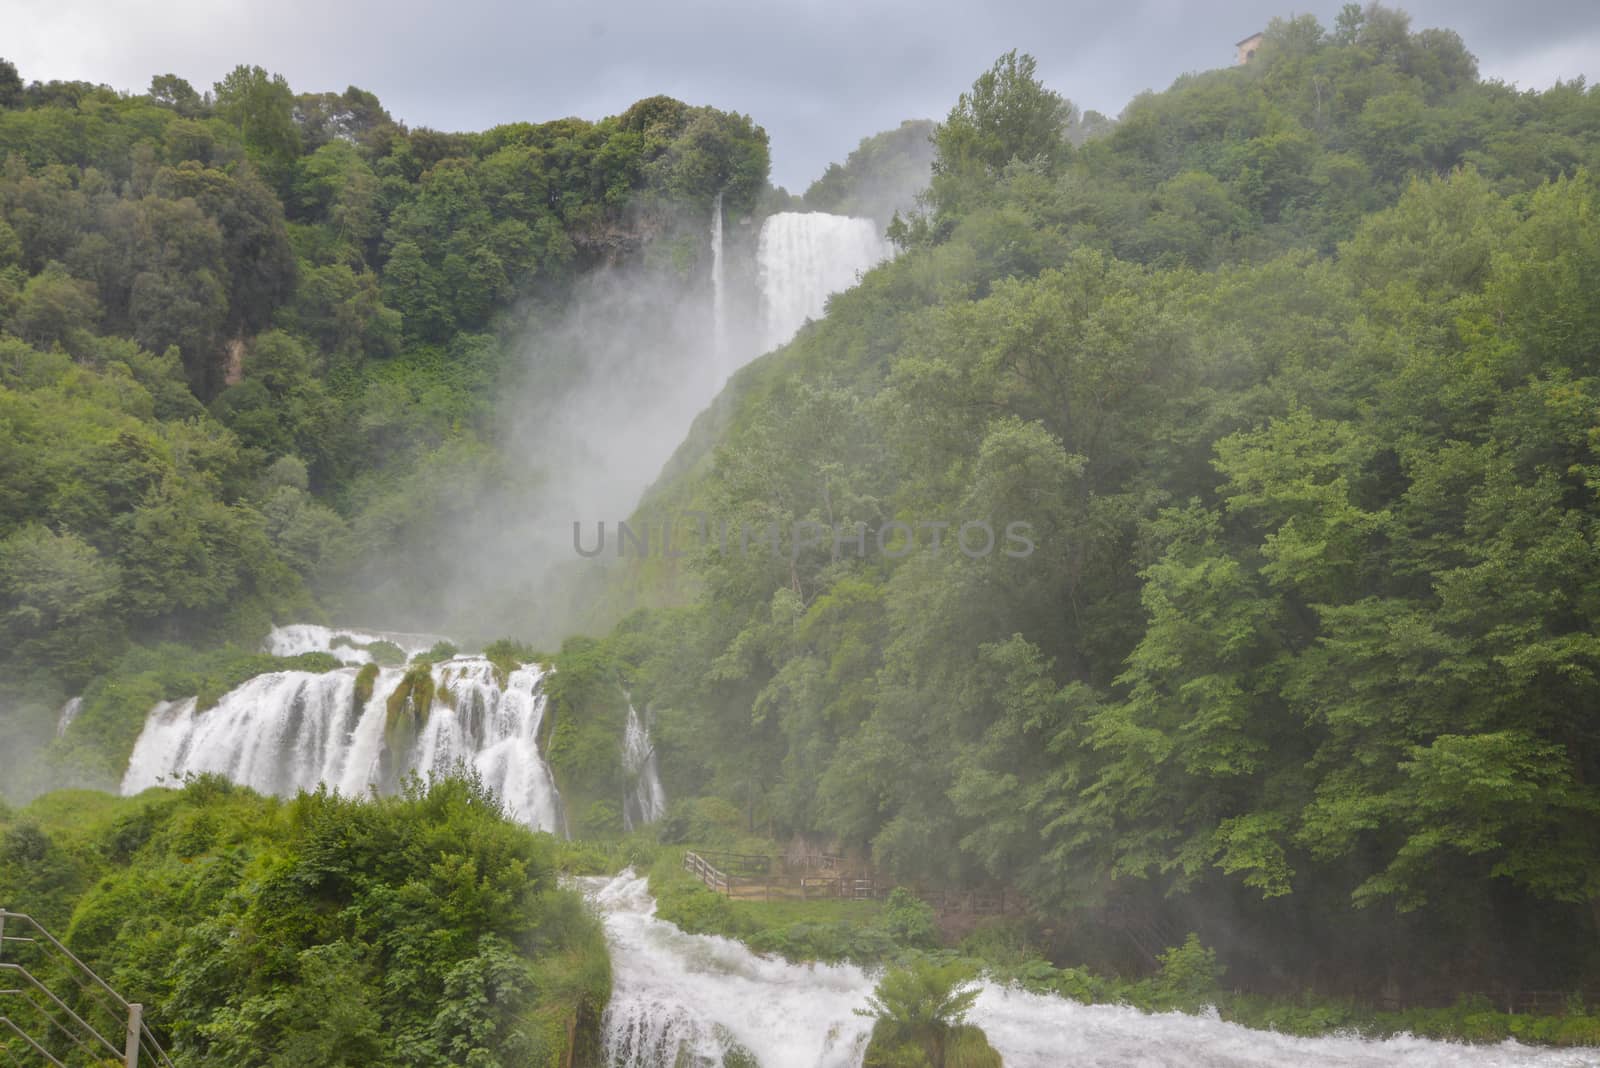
{"x":441,"y":650}
{"x":386,"y":653}
{"x":917,"y":1014}
{"x":1188,"y":975}
{"x":909,"y":920}
{"x":507,"y":655}
{"x":425,"y":929}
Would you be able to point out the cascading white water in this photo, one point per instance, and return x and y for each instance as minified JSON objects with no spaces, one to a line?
{"x":719,"y":326}
{"x":804,"y":257}
{"x":292,"y":730}
{"x":1035,"y":1031}
{"x":294,"y":639}
{"x":645,"y":801}
{"x":680,"y":999}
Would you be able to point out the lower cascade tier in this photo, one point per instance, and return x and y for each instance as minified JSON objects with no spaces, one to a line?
{"x":681,"y":1000}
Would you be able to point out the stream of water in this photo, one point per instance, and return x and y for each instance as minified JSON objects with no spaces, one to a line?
{"x":682,"y":1000}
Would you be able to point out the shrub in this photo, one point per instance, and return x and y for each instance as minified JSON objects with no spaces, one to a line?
{"x":387,"y":654}
{"x":909,"y":920}
{"x":366,"y":678}
{"x":507,"y":655}
{"x":440,"y":651}
{"x":1189,"y":975}
{"x":918,"y":1013}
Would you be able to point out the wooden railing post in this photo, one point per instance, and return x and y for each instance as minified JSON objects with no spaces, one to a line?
{"x":130,"y":1050}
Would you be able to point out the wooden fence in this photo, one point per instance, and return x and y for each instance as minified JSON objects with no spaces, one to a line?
{"x":821,"y":877}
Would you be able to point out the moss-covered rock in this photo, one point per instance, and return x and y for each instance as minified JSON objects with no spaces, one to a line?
{"x":508,"y":654}
{"x":366,"y":679}
{"x":387,"y":654}
{"x":967,"y":1046}
{"x":405,"y":716}
{"x":958,"y":1046}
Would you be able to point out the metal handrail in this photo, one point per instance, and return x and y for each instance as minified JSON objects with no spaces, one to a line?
{"x":137,"y":1033}
{"x":6,"y":914}
{"x":40,"y":1050}
{"x":63,"y":1006}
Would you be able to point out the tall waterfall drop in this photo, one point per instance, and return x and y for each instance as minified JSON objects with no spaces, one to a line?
{"x":804,"y":257}
{"x":719,"y":314}
{"x":682,"y":999}
{"x":645,"y":801}
{"x":293,"y":730}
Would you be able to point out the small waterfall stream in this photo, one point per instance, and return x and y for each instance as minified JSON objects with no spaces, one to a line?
{"x":645,"y":801}
{"x":719,"y":312}
{"x":68,"y":713}
{"x":681,"y":1000}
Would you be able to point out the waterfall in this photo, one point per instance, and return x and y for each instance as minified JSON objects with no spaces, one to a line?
{"x":293,"y":730}
{"x":343,"y":642}
{"x":681,"y":999}
{"x":68,"y":713}
{"x":719,"y":329}
{"x":645,"y":801}
{"x":691,"y":999}
{"x":803,"y":257}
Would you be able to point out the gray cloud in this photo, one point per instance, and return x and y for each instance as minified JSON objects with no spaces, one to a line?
{"x":819,"y":75}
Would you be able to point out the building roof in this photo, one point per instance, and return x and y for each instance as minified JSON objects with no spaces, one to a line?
{"x":1253,"y":37}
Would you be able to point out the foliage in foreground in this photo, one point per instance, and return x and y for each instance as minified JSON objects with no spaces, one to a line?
{"x":425,"y":929}
{"x":918,"y":1013}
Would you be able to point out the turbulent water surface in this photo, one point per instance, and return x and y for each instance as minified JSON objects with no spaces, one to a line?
{"x":681,"y":999}
{"x":343,"y":642}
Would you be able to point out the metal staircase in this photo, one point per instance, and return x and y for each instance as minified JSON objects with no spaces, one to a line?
{"x":34,"y":1019}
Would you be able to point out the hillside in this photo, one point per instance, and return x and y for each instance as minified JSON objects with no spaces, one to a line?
{"x":1292,"y":376}
{"x":1191,"y":531}
{"x":254,"y":346}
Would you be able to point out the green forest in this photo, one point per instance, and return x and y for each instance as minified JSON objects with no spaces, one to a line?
{"x":1293,"y":369}
{"x":252,"y":339}
{"x":1293,"y":374}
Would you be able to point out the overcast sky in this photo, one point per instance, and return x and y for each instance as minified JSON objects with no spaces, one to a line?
{"x":819,"y":75}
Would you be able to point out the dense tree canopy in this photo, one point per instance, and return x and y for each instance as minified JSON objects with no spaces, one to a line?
{"x":247,"y":335}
